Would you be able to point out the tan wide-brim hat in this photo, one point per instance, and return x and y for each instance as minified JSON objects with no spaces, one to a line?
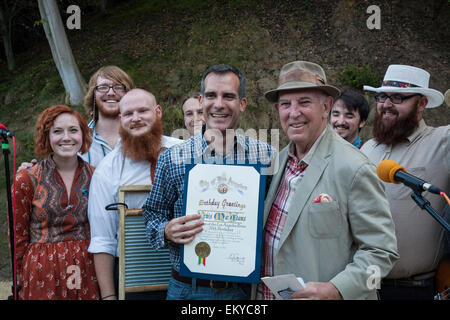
{"x":447,"y":97}
{"x":409,"y":79}
{"x":301,"y":75}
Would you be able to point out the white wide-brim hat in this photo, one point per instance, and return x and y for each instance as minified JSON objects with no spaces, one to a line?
{"x":405,"y":79}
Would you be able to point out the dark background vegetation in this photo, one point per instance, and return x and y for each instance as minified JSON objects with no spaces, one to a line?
{"x":166,"y":46}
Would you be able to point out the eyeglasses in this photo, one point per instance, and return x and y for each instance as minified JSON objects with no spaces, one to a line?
{"x":105,"y":88}
{"x":396,"y":98}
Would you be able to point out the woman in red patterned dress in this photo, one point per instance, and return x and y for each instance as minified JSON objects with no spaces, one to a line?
{"x":51,"y":200}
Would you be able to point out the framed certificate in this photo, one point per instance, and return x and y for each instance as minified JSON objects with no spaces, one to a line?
{"x":230,"y":200}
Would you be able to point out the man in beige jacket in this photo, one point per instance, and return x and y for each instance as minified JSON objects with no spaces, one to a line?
{"x":326,"y":215}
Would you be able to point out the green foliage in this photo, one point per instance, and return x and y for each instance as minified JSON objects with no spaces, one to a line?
{"x":146,"y":8}
{"x":37,"y":23}
{"x":357,"y":77}
{"x":29,"y":142}
{"x":172,"y":118}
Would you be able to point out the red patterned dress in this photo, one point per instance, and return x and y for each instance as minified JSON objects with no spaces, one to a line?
{"x":52,"y":234}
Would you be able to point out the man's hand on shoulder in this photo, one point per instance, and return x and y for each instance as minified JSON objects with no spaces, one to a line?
{"x":26,"y":165}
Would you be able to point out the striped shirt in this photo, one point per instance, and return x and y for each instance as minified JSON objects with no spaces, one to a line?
{"x":98,"y":150}
{"x":165,"y":200}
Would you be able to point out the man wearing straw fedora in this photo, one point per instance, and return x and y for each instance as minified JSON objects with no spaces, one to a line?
{"x":326,"y":215}
{"x":400,"y":134}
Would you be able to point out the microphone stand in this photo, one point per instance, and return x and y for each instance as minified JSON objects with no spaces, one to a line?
{"x":5,"y":148}
{"x":424,"y":204}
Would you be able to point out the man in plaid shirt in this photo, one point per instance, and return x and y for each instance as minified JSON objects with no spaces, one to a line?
{"x":223,"y":100}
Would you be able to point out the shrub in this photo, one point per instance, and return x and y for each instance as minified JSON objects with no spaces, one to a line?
{"x":356,"y":77}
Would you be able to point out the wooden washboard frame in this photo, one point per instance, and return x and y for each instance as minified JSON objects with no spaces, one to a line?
{"x":163,"y":269}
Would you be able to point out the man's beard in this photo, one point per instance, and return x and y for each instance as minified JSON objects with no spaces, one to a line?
{"x":107,"y":113}
{"x":145,"y":146}
{"x":391,"y":132}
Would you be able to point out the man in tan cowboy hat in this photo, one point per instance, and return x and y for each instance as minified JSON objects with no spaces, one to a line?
{"x":400,"y":134}
{"x":326,"y":215}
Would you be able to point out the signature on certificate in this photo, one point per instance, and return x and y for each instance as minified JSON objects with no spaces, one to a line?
{"x":234,"y":257}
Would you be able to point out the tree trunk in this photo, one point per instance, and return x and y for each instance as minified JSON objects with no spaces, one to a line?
{"x":7,"y":43}
{"x":73,"y":81}
{"x":103,"y":7}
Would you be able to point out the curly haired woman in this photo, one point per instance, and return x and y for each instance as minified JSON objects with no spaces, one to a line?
{"x":51,"y":199}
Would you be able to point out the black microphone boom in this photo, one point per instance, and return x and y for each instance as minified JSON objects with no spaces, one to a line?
{"x":4,"y":134}
{"x":390,"y":171}
{"x":415,"y":183}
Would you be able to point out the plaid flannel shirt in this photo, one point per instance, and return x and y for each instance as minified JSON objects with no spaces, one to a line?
{"x":294,"y":172}
{"x":165,"y":200}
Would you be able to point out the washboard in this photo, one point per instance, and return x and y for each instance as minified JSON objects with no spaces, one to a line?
{"x":140,"y":268}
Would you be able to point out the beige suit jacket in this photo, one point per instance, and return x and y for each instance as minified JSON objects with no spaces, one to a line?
{"x":351,"y":241}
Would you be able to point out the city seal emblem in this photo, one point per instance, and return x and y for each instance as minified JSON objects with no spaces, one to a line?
{"x":222,"y":188}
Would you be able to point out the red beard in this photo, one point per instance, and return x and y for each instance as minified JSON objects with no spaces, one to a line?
{"x":145,"y":146}
{"x":391,"y":132}
{"x":107,"y":113}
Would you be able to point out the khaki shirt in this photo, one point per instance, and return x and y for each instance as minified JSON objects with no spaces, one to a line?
{"x":425,"y":154}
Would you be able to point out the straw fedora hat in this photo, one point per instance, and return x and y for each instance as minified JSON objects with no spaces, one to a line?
{"x":301,"y":75}
{"x":447,"y":97}
{"x":409,"y":79}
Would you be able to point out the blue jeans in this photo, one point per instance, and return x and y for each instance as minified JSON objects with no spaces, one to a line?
{"x":183,"y":291}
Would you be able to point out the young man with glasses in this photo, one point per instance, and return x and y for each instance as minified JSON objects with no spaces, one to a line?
{"x":106,"y":88}
{"x":400,"y":134}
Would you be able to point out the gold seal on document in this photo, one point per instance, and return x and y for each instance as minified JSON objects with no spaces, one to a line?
{"x":202,"y":249}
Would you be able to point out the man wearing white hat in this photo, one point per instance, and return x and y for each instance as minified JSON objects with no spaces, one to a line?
{"x":400,"y":134}
{"x":326,"y":215}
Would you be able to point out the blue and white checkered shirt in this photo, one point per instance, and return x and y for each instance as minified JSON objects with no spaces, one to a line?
{"x":165,"y":200}
{"x":98,"y":150}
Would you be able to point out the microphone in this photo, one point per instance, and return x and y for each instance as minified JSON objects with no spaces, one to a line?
{"x":391,"y":171}
{"x":4,"y":131}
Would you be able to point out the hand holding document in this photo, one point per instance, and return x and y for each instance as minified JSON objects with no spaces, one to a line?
{"x":284,"y":286}
{"x":229,"y":201}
